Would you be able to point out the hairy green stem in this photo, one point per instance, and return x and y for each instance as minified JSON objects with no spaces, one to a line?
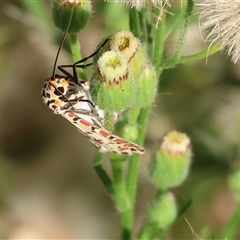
{"x":149,"y":32}
{"x":198,"y":56}
{"x":97,"y":161}
{"x":122,"y":202}
{"x":195,"y":57}
{"x":133,"y":162}
{"x":183,"y":32}
{"x":159,"y":44}
{"x":76,"y":53}
{"x":132,"y":177}
{"x":134,"y":22}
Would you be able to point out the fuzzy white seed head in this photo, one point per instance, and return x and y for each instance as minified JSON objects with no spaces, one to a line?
{"x":138,"y":4}
{"x":221,"y":20}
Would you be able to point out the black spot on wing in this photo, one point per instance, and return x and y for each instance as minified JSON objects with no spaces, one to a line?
{"x":59,"y":91}
{"x":50,"y":102}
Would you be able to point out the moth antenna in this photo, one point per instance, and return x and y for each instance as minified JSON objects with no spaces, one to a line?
{"x":60,"y":47}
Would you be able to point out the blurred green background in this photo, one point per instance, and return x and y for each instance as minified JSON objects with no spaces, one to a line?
{"x":48,"y":186}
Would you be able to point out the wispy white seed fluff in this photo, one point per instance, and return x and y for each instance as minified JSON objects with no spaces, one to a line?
{"x":221,"y":21}
{"x":138,"y":4}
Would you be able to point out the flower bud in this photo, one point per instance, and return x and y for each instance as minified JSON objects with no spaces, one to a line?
{"x":171,"y":164}
{"x":147,"y":87}
{"x":123,"y":79}
{"x":128,"y":45}
{"x":62,"y":10}
{"x":112,"y":86}
{"x":163,"y":211}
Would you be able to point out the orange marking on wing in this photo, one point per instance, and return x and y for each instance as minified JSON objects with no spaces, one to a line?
{"x":64,"y":83}
{"x":57,"y":102}
{"x":104,"y":133}
{"x":119,"y":140}
{"x":123,"y":149}
{"x":85,"y":122}
{"x":71,"y":115}
{"x":52,"y":82}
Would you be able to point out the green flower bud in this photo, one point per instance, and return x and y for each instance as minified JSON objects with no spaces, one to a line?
{"x":62,"y":10}
{"x":123,"y":78}
{"x":147,"y":87}
{"x":171,"y":164}
{"x":163,"y":211}
{"x":234,"y":183}
{"x":112,"y":86}
{"x":131,"y":48}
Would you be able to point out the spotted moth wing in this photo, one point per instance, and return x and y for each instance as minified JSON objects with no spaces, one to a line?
{"x":103,"y":140}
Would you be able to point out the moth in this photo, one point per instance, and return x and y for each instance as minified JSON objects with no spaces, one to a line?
{"x":69,"y":97}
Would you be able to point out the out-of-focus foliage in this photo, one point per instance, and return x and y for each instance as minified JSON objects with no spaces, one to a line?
{"x":48,"y":185}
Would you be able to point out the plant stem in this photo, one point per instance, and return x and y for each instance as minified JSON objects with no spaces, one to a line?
{"x":199,"y":56}
{"x":76,"y":53}
{"x":134,"y":22}
{"x":133,"y":162}
{"x":232,"y":227}
{"x":97,"y":161}
{"x":122,"y":201}
{"x":194,"y":57}
{"x":127,"y":216}
{"x":183,"y":32}
{"x":159,"y":44}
